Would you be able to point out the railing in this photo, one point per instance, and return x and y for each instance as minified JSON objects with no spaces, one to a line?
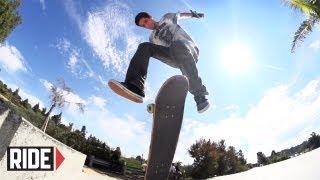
{"x":108,"y":165}
{"x":133,"y":173}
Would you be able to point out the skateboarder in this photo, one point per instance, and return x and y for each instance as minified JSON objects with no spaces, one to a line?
{"x":170,"y":44}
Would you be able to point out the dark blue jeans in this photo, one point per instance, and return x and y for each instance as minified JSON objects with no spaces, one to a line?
{"x":179,"y":54}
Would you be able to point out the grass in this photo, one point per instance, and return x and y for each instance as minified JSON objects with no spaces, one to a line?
{"x":132,"y":162}
{"x":35,"y":118}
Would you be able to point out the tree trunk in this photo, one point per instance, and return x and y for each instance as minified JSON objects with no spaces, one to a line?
{"x":44,"y":126}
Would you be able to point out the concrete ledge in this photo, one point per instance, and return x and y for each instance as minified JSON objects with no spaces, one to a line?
{"x":305,"y":166}
{"x":16,"y":131}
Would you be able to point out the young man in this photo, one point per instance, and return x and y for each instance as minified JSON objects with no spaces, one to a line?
{"x":170,"y":44}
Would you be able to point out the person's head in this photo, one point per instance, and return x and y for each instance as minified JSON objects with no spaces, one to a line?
{"x":145,"y":20}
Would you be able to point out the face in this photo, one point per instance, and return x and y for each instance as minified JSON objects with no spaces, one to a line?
{"x":147,"y":23}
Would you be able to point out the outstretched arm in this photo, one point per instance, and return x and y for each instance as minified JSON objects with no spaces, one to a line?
{"x":181,"y":15}
{"x":191,"y":14}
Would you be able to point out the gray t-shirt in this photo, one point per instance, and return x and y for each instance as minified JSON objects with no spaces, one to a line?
{"x":168,"y":31}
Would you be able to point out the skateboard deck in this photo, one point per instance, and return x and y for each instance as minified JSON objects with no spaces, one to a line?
{"x":167,"y":120}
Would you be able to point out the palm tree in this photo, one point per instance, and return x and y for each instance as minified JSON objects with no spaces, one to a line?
{"x":58,"y":99}
{"x":311,"y":8}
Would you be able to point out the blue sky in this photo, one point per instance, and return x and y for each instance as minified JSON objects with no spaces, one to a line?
{"x":263,"y":97}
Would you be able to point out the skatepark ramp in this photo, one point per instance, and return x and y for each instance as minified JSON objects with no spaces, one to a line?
{"x":16,"y":131}
{"x":303,"y":167}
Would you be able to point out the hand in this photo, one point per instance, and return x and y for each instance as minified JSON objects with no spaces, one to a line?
{"x":196,"y":15}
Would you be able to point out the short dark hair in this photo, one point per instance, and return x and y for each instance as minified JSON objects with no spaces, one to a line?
{"x":141,"y":15}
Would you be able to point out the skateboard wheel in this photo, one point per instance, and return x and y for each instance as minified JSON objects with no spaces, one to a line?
{"x":150,"y":108}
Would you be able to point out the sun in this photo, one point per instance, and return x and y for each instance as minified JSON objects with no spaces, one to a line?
{"x":236,"y":58}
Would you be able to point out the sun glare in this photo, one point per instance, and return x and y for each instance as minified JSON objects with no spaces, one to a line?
{"x":236,"y":58}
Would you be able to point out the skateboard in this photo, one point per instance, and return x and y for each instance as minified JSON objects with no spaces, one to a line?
{"x":167,"y":120}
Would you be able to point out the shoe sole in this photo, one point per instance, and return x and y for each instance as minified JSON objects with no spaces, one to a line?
{"x":124,"y":92}
{"x":204,"y":109}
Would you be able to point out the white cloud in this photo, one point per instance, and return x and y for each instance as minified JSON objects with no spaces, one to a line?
{"x":124,"y":130}
{"x":150,"y":95}
{"x":102,"y":81}
{"x":73,"y":61}
{"x":90,"y":72}
{"x":117,"y":130}
{"x":105,"y":31}
{"x":43,"y":4}
{"x":72,"y":12}
{"x":98,"y":101}
{"x":96,"y":88}
{"x":46,"y":84}
{"x":77,"y":65}
{"x":33,"y":100}
{"x":278,"y":121}
{"x":63,"y":45}
{"x":315,"y":45}
{"x":109,"y":32}
{"x":11,"y":58}
{"x":232,"y":107}
{"x":273,"y":67}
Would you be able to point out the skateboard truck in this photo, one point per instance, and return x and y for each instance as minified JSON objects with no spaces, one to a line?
{"x":150,"y":108}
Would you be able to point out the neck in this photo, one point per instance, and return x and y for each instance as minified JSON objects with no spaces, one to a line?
{"x":156,"y":25}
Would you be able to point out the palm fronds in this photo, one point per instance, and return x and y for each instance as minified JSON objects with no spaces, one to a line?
{"x":311,"y":8}
{"x":305,"y":6}
{"x":304,"y":29}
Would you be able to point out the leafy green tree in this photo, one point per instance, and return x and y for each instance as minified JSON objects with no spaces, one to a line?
{"x":277,"y":157}
{"x":240,"y":155}
{"x":70,"y":126}
{"x":83,"y":131}
{"x":9,"y":17}
{"x":222,"y":158}
{"x":232,"y":161}
{"x":274,"y":157}
{"x":78,"y":140}
{"x":116,"y":154}
{"x":56,"y":119}
{"x":314,"y":141}
{"x":97,"y":148}
{"x":25,"y":103}
{"x":212,"y":159}
{"x":36,"y":108}
{"x":15,"y":97}
{"x":205,"y":159}
{"x":44,"y":111}
{"x":187,"y":169}
{"x":139,"y":158}
{"x":2,"y":87}
{"x":310,"y":8}
{"x":262,"y":159}
{"x":4,"y":90}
